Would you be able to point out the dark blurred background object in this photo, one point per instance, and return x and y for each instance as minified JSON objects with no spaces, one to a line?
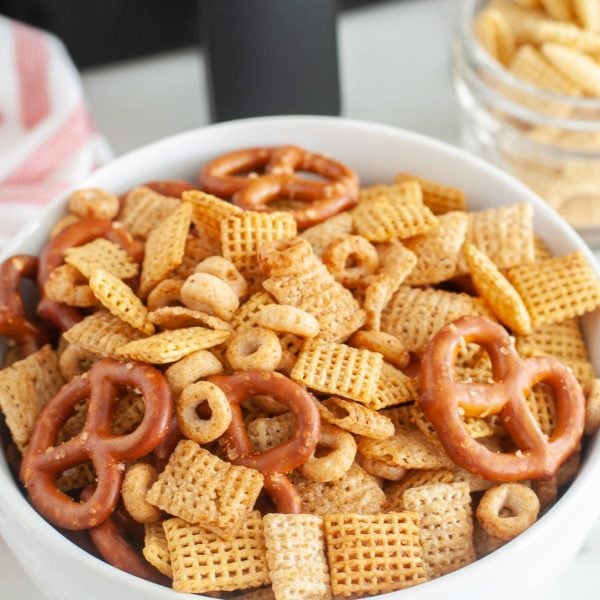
{"x":97,"y":32}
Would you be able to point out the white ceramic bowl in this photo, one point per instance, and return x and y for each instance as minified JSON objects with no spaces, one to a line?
{"x":523,"y":566}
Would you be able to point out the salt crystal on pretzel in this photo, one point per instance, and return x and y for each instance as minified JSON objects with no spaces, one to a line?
{"x":228,"y":491}
{"x":102,"y":333}
{"x":557,"y":288}
{"x":369,"y":554}
{"x":338,"y":369}
{"x":414,"y":315}
{"x":446,"y":525}
{"x":144,"y":209}
{"x":171,"y":345}
{"x":321,"y":235}
{"x":209,"y":211}
{"x":436,"y":196}
{"x":204,"y":562}
{"x":25,"y":387}
{"x":101,"y":254}
{"x":407,"y":448}
{"x":503,"y":233}
{"x":437,"y":252}
{"x":356,"y":491}
{"x":156,"y":549}
{"x":399,"y":217}
{"x":415,"y":478}
{"x":296,"y":556}
{"x":119,"y":299}
{"x":309,"y":286}
{"x":356,"y":418}
{"x":497,"y":291}
{"x":165,"y":247}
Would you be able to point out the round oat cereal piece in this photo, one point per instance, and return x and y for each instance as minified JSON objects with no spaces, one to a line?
{"x":351,"y":259}
{"x":392,"y":349}
{"x":67,"y":285}
{"x":378,"y":468}
{"x":288,"y":319}
{"x":207,"y":293}
{"x":226,"y":271}
{"x":254,"y":348}
{"x":192,"y":426}
{"x":139,"y":478}
{"x":94,"y":203}
{"x":191,"y":369}
{"x":508,"y":509}
{"x":166,"y":293}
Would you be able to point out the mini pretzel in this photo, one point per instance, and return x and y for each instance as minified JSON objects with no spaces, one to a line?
{"x":45,"y":461}
{"x":225,"y":270}
{"x":138,"y":479}
{"x":193,"y":427}
{"x":207,"y":293}
{"x":521,"y":502}
{"x":109,"y":540}
{"x":13,"y":322}
{"x":170,"y":187}
{"x":276,"y":462}
{"x":225,"y":177}
{"x":254,"y":348}
{"x":351,"y":259}
{"x":77,"y":234}
{"x":445,"y":401}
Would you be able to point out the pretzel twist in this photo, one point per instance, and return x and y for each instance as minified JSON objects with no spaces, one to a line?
{"x":44,"y":461}
{"x":223,"y":177}
{"x":277,"y":462}
{"x":445,"y":401}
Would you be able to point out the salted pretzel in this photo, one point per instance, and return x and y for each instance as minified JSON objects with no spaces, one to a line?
{"x":109,"y":538}
{"x":335,"y":191}
{"x":170,"y":187}
{"x":277,"y":462}
{"x":45,"y":461}
{"x":14,"y":324}
{"x":445,"y":401}
{"x":52,"y":256}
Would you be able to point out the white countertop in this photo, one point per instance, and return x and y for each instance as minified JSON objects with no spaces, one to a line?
{"x":394,"y":60}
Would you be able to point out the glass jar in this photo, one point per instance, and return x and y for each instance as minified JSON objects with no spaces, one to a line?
{"x":549,"y":141}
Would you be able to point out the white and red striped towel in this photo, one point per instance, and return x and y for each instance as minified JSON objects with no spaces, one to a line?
{"x":47,"y":138}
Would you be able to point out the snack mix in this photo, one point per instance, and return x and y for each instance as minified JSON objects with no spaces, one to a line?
{"x":276,"y":386}
{"x":548,"y":55}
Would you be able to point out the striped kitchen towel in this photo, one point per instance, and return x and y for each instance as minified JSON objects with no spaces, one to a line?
{"x":48,"y":140}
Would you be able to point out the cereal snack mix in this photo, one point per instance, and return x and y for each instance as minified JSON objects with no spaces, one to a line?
{"x":296,"y":388}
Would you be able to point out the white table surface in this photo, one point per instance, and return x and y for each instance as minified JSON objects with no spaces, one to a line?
{"x":394,"y":59}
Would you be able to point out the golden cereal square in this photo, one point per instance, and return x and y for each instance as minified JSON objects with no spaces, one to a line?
{"x":156,"y":549}
{"x":446,"y":525}
{"x":204,"y":562}
{"x":438,"y":197}
{"x":171,"y":345}
{"x":246,"y":315}
{"x":144,"y":209}
{"x":321,"y":235}
{"x":296,"y":556}
{"x":197,"y":248}
{"x":267,"y":432}
{"x":200,"y":488}
{"x":563,"y":340}
{"x":393,"y":388}
{"x":370,"y":554}
{"x":556,"y":289}
{"x":209,"y":211}
{"x":102,"y":333}
{"x":338,"y":369}
{"x":25,"y":388}
{"x":101,"y":254}
{"x":414,"y":315}
{"x":165,"y":247}
{"x":412,"y":479}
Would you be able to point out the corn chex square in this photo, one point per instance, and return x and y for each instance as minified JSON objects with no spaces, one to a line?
{"x":171,"y":345}
{"x":267,"y":432}
{"x":412,"y":479}
{"x":242,"y":236}
{"x":557,"y":288}
{"x":209,"y":211}
{"x":144,"y":209}
{"x":446,"y":525}
{"x":389,"y":218}
{"x":393,"y":388}
{"x":370,"y":554}
{"x":202,"y":489}
{"x":204,"y":562}
{"x":338,"y":369}
{"x":25,"y":388}
{"x":436,"y":196}
{"x":156,"y":549}
{"x":296,"y":556}
{"x":563,"y":340}
{"x":101,"y":254}
{"x":165,"y":247}
{"x":321,"y":235}
{"x":102,"y":333}
{"x":356,"y":491}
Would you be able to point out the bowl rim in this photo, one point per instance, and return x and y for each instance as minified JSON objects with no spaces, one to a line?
{"x":14,"y":504}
